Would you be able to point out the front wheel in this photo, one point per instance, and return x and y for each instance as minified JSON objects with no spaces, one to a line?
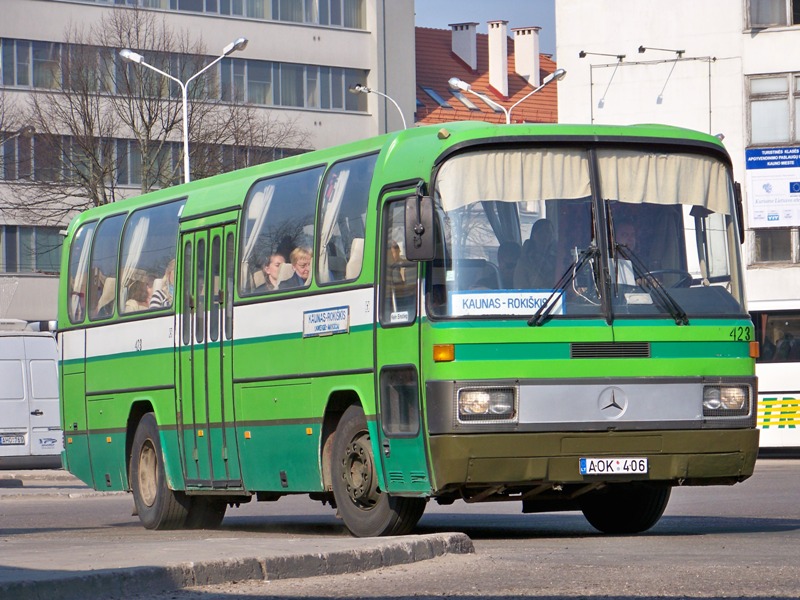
{"x":625,"y":508}
{"x":364,"y":508}
{"x":158,"y":506}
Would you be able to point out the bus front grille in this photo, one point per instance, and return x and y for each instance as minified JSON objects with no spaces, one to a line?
{"x":610,"y":350}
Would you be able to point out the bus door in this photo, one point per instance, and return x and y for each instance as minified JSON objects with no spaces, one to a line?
{"x":206,"y":422}
{"x":399,"y":423}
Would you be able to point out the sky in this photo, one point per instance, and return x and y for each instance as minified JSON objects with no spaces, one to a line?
{"x":519,"y":13}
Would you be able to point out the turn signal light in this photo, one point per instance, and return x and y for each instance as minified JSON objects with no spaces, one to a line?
{"x":444,"y":352}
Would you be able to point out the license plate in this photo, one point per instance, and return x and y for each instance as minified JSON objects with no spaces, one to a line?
{"x":614,"y":466}
{"x":12,"y":440}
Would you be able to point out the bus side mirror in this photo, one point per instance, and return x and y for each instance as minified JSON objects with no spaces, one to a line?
{"x":737,"y":196}
{"x":419,"y":227}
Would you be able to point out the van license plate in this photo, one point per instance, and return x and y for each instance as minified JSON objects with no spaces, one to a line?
{"x":12,"y":440}
{"x":614,"y":466}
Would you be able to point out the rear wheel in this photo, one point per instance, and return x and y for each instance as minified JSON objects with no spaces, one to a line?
{"x":625,"y":508}
{"x":205,"y":512}
{"x":158,"y":506}
{"x":364,"y":508}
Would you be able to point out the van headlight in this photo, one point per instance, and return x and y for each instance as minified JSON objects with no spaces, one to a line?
{"x":726,"y":400}
{"x":487,"y":404}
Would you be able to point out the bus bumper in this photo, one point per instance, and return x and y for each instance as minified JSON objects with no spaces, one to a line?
{"x":699,"y":457}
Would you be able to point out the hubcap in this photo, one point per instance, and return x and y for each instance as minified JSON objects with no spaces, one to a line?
{"x":148,"y":473}
{"x":359,"y":472}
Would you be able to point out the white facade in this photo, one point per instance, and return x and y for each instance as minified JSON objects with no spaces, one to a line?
{"x":383,"y":50}
{"x":695,"y":71}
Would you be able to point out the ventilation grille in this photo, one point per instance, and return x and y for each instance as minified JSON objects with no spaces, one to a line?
{"x":610,"y":350}
{"x":418,"y":477}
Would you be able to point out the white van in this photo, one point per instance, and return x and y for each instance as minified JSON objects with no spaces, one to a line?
{"x":30,"y":427}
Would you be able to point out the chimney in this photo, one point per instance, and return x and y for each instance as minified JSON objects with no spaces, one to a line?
{"x":526,"y":54}
{"x":498,"y":56}
{"x":464,"y":43}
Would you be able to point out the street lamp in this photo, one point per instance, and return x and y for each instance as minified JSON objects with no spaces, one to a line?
{"x":131,"y":56}
{"x":362,"y":89}
{"x":457,"y":84}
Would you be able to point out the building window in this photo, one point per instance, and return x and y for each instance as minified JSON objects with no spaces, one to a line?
{"x":436,"y":97}
{"x":774,"y":108}
{"x":777,"y":245}
{"x":464,"y":100}
{"x":336,"y":13}
{"x":29,"y":249}
{"x":773,"y":13}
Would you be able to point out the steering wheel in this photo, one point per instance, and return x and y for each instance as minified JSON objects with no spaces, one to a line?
{"x":684,"y":278}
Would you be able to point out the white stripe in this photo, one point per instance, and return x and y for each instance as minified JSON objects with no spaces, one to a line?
{"x":279,"y":317}
{"x":283,"y":317}
{"x":130,"y":336}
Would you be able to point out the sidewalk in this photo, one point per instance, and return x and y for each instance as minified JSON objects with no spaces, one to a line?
{"x":75,"y":566}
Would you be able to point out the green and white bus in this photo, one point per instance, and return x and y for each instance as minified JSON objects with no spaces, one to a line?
{"x":546,"y":314}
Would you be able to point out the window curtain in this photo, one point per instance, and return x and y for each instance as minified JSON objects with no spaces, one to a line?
{"x":504,"y":219}
{"x":259,"y":204}
{"x":334,"y":195}
{"x":134,"y":247}
{"x":513,"y":176}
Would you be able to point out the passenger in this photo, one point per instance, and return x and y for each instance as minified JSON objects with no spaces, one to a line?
{"x":272,"y":269}
{"x":508,"y":254}
{"x":139,"y":293}
{"x":301,"y":263}
{"x":162,"y":297}
{"x":537,"y":263}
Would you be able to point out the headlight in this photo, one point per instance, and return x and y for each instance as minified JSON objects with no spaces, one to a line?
{"x":487,"y":404}
{"x":726,"y":401}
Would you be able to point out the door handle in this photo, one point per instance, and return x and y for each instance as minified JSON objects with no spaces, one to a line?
{"x":387,"y":449}
{"x":37,"y":413}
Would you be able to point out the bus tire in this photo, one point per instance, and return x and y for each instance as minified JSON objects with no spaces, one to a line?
{"x":158,"y":506}
{"x":625,"y":508}
{"x":364,"y":508}
{"x":205,"y":512}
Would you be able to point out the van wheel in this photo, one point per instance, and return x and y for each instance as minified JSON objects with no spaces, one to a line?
{"x":205,"y":512}
{"x":364,"y":508}
{"x":158,"y":506}
{"x":625,"y":508}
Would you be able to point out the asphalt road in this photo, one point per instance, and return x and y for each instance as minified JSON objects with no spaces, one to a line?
{"x":717,"y":542}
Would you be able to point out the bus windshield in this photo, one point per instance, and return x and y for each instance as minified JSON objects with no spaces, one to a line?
{"x":620,"y":230}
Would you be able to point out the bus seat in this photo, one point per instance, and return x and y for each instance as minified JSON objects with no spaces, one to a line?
{"x":285,"y":272}
{"x":258,"y":279}
{"x":353,"y":268}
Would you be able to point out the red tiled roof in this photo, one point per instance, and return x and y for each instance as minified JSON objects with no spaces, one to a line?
{"x":436,"y":64}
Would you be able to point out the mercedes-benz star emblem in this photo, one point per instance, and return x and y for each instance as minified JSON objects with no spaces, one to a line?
{"x":612,"y":402}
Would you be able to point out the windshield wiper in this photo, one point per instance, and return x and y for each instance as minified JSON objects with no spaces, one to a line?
{"x":642,"y":274}
{"x":540,"y":316}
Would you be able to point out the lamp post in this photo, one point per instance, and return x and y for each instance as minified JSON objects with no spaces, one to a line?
{"x":457,"y":84}
{"x":131,"y":56}
{"x":362,"y":89}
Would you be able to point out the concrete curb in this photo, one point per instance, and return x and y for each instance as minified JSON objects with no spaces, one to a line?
{"x":121,"y":583}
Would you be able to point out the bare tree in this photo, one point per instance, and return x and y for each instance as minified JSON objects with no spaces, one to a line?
{"x":104,"y":117}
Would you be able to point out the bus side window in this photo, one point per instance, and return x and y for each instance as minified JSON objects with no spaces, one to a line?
{"x":79,"y":272}
{"x":105,"y":251}
{"x":345,"y":194}
{"x":399,"y":285}
{"x":277,"y":221}
{"x":148,"y":258}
